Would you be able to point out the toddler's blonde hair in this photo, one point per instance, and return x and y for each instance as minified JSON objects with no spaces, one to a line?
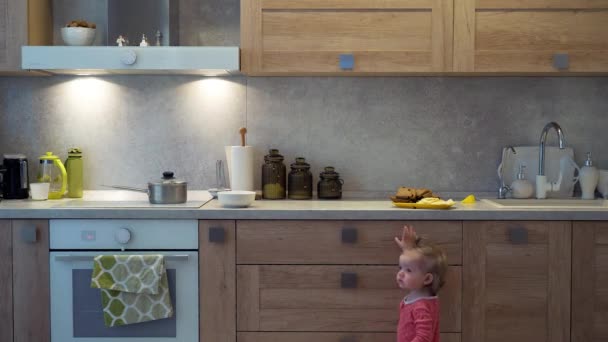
{"x":435,"y":263}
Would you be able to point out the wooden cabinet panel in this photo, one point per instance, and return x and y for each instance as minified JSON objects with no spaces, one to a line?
{"x":524,"y":36}
{"x":308,"y":36}
{"x":217,"y":279}
{"x":590,"y":282}
{"x":320,"y":242}
{"x":329,"y":337}
{"x":31,"y":281}
{"x":6,"y":281}
{"x":24,"y":22}
{"x":516,"y":278}
{"x":310,"y":298}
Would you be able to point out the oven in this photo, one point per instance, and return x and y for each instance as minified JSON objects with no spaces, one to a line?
{"x":76,"y":314}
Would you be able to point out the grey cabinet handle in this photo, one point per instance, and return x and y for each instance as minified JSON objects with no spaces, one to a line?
{"x":217,"y":235}
{"x":561,"y":61}
{"x":349,"y":235}
{"x":518,"y":235}
{"x":347,"y":61}
{"x":348,"y":280}
{"x":29,"y":234}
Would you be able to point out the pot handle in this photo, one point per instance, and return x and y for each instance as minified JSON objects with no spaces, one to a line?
{"x":126,"y":188}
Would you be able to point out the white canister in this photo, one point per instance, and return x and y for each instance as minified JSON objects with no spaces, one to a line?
{"x":240,"y":160}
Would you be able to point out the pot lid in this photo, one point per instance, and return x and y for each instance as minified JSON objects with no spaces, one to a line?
{"x":169,"y":179}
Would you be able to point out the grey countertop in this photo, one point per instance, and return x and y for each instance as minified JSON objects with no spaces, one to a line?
{"x":349,"y":209}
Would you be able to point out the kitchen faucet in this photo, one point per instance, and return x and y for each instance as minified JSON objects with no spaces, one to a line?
{"x":542,"y":186}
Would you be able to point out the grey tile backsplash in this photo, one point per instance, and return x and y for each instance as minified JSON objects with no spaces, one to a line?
{"x":379,"y":133}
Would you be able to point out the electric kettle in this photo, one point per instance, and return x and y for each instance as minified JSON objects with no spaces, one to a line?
{"x":51,"y":170}
{"x":13,"y":174}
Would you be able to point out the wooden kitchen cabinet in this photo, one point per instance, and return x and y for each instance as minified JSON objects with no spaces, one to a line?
{"x":531,"y":36}
{"x":217,"y":292}
{"x":31,"y":281}
{"x":590,"y":282}
{"x":516,"y":281}
{"x":24,"y":22}
{"x":346,"y":36}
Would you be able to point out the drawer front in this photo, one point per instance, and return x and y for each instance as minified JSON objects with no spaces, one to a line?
{"x":337,"y":242}
{"x":329,"y":337}
{"x":326,"y":298}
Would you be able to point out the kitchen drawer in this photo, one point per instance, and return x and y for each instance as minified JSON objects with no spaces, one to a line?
{"x":337,"y":242}
{"x":328,"y":337}
{"x":302,"y":298}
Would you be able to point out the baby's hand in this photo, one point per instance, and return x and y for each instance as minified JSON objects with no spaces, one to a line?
{"x":408,"y":238}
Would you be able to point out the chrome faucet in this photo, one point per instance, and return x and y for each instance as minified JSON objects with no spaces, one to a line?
{"x":542,"y":186}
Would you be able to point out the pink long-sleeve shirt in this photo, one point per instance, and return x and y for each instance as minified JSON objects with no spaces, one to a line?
{"x":419,"y":320}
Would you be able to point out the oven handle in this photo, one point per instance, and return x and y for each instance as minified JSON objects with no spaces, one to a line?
{"x":71,"y":257}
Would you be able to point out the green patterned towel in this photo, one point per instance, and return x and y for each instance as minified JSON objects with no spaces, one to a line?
{"x":134,"y":288}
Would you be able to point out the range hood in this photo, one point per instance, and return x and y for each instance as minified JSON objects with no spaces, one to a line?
{"x":104,"y":60}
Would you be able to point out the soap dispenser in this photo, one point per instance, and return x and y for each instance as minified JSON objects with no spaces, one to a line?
{"x":521,"y":187}
{"x":588,"y":178}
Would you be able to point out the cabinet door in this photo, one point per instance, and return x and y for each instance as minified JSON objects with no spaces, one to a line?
{"x":6,"y":281}
{"x":303,"y":298}
{"x":531,"y":36}
{"x":590,"y":282}
{"x":217,"y":281}
{"x":346,"y":36}
{"x":31,"y":281}
{"x":516,"y":281}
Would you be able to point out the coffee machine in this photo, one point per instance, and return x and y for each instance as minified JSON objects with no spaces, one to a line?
{"x":14,"y":181}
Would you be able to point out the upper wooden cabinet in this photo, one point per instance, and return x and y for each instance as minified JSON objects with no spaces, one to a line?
{"x":516,"y":281}
{"x":346,"y":36}
{"x":24,"y":22}
{"x":531,"y":36}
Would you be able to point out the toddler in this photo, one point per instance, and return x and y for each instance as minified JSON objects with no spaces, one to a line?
{"x":422,"y":269}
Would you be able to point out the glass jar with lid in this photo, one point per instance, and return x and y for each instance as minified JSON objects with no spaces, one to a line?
{"x":330,"y":184}
{"x":300,"y":180}
{"x":274,"y":176}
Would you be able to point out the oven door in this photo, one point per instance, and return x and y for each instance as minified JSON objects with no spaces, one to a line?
{"x":76,"y":314}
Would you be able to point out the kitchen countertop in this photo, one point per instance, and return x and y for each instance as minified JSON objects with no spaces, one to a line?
{"x":348,"y":209}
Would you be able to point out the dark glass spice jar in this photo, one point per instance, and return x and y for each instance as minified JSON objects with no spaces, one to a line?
{"x":300,"y":180}
{"x":330,"y":184}
{"x":274,"y":176}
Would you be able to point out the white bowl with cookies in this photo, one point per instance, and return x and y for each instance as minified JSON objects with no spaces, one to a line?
{"x":78,"y":33}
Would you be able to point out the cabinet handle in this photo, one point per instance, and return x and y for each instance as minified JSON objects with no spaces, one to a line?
{"x":217,"y":235}
{"x":348,"y":280}
{"x":347,"y":61}
{"x":348,"y":338}
{"x":349,"y":235}
{"x":518,"y":235}
{"x":29,"y":234}
{"x":561,"y":61}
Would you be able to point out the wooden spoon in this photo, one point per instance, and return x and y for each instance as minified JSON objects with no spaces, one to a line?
{"x":243,"y":131}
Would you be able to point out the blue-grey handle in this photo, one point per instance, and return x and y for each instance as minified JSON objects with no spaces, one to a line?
{"x":518,"y":235}
{"x":561,"y":61}
{"x":347,"y":61}
{"x":29,"y":234}
{"x":348,"y":280}
{"x":217,"y":235}
{"x":349,"y":235}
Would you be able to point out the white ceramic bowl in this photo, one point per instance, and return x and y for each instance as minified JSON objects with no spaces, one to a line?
{"x":78,"y":36}
{"x":236,"y":199}
{"x":602,"y":185}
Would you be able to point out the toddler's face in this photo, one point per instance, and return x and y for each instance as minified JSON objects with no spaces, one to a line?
{"x":411,"y":274}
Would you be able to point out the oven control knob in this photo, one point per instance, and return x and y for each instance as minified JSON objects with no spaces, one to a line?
{"x":129,"y":57}
{"x":122,"y":236}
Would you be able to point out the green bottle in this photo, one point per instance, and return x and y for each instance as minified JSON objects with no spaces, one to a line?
{"x":73,"y":166}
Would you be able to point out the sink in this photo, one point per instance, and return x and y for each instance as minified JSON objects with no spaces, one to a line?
{"x":547,"y":203}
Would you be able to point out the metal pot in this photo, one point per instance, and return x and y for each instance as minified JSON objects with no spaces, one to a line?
{"x":168,"y":190}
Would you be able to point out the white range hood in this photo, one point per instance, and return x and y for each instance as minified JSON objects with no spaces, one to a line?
{"x":104,"y":60}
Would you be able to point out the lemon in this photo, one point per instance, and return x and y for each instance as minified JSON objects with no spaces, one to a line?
{"x":469,"y":199}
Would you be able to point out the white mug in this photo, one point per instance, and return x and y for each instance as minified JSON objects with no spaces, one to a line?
{"x":39,"y":191}
{"x":602,"y":185}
